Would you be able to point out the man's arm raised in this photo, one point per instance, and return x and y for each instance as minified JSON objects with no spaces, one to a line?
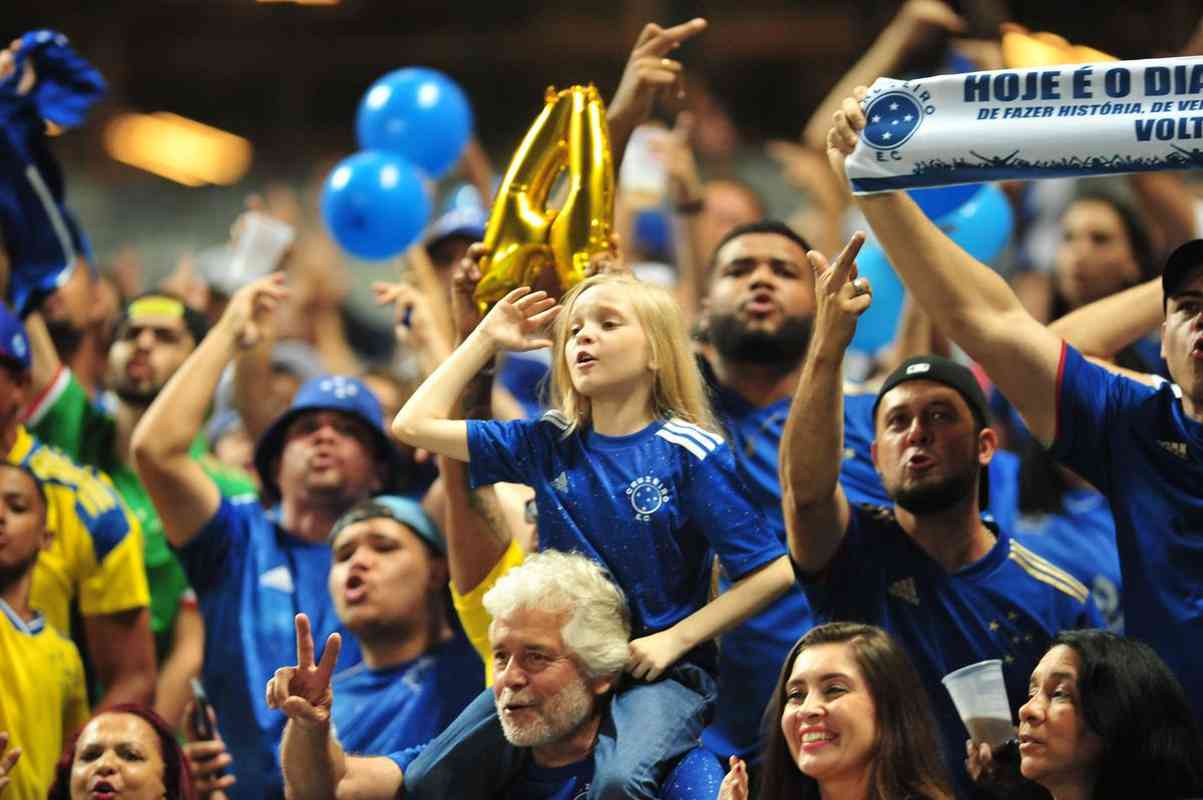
{"x":816,"y":510}
{"x":185,"y":496}
{"x":313,"y":761}
{"x":966,"y":299}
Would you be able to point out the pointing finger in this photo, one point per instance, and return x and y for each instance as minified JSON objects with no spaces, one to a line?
{"x":304,"y":642}
{"x":846,"y":258}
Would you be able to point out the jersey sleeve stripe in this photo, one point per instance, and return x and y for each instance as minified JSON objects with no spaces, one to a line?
{"x":49,"y":396}
{"x":1044,"y":571}
{"x":557,"y":419}
{"x":701,"y":436}
{"x":688,"y":444}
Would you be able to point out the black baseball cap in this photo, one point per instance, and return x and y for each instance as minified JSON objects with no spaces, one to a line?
{"x":955,"y":376}
{"x":1178,"y":266}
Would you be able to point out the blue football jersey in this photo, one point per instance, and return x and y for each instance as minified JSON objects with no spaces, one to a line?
{"x":252,"y":578}
{"x":394,"y":708}
{"x":1136,"y":445}
{"x":651,"y":506}
{"x":1081,"y":539}
{"x":1007,"y":605}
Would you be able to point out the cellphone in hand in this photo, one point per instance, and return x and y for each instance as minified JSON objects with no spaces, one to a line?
{"x":202,"y":724}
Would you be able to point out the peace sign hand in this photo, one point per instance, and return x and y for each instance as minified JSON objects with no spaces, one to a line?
{"x":303,"y":692}
{"x":840,"y":296}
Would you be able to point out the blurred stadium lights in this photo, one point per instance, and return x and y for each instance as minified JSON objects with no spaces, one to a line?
{"x":177,"y":148}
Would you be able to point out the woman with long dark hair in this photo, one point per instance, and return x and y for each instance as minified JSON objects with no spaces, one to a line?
{"x":1105,"y":720}
{"x":849,"y":720}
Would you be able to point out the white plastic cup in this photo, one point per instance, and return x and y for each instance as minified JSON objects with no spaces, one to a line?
{"x":261,"y":243}
{"x":980,"y":695}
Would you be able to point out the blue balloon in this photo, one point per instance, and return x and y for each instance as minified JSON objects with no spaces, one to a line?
{"x":981,"y":224}
{"x":375,"y":205}
{"x":877,"y":326}
{"x":939,"y":200}
{"x":419,"y":114}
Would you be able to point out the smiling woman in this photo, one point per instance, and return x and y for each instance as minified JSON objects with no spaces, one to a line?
{"x":849,"y":720}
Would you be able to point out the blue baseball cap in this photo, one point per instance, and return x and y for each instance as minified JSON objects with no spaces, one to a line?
{"x":463,"y":214}
{"x":400,"y":509}
{"x":14,"y":343}
{"x":341,"y":393}
{"x":465,"y":221}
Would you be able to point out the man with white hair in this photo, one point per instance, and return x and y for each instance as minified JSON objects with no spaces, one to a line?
{"x":559,"y":639}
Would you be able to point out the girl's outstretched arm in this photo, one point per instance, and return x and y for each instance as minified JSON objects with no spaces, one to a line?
{"x":515,"y":323}
{"x":751,"y":594}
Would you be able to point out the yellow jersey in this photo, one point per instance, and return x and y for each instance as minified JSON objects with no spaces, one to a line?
{"x":43,"y":698}
{"x":471,"y":608}
{"x":95,"y":556}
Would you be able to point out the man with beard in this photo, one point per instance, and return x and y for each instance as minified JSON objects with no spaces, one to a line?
{"x":760,"y":306}
{"x":156,"y":332}
{"x":42,"y":694}
{"x":559,"y":639}
{"x":256,"y":565}
{"x":952,"y":587}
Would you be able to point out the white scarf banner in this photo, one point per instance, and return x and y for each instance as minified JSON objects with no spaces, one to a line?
{"x":1048,"y":122}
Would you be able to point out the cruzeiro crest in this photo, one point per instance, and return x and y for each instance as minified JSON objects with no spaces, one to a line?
{"x":890,"y":119}
{"x":647,"y":495}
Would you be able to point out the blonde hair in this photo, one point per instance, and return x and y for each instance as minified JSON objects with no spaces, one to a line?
{"x":678,"y":391}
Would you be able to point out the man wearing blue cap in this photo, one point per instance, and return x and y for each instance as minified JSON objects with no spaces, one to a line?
{"x":255,"y":565}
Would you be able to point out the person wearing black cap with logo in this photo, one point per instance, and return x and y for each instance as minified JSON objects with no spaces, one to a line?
{"x":1141,"y":445}
{"x":952,"y":587}
{"x":255,"y":565}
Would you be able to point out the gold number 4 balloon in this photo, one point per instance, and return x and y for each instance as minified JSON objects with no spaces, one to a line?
{"x":523,"y":235}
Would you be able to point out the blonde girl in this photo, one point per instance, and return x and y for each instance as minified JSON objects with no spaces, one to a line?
{"x":628,"y":469}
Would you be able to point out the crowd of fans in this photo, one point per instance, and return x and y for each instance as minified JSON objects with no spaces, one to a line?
{"x":657,"y":536}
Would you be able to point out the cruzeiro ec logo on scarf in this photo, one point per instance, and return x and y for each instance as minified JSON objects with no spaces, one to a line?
{"x":891,"y":119}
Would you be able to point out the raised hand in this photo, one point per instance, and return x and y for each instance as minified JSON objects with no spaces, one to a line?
{"x":7,"y":760}
{"x":413,"y":323}
{"x":251,"y":308}
{"x":848,"y":122}
{"x":840,"y":296}
{"x":518,"y":320}
{"x":303,"y":692}
{"x":917,"y":20}
{"x":648,"y":73}
{"x":735,"y":783}
{"x":8,"y":65}
{"x":675,"y":149}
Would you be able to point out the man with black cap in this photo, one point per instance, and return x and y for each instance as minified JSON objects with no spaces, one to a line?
{"x":255,"y":565}
{"x":1140,"y":445}
{"x":952,"y":587}
{"x":154,"y":335}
